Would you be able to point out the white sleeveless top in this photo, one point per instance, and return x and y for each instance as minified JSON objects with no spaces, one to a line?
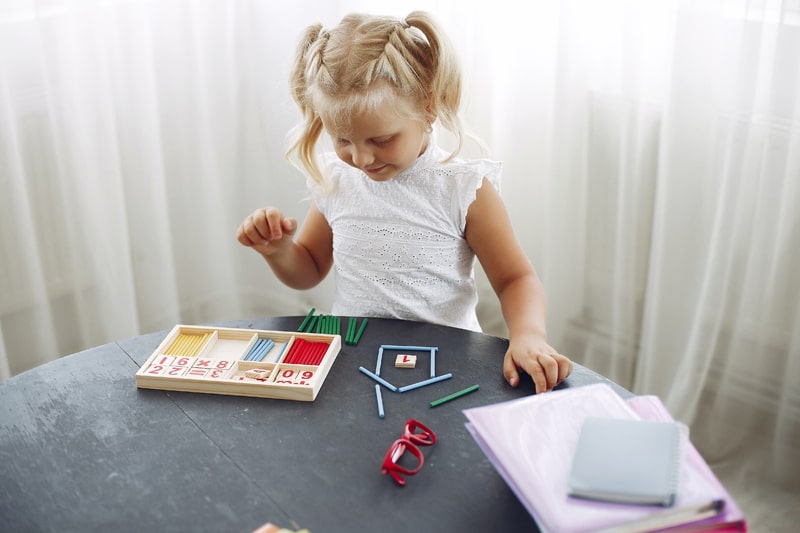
{"x":399,"y":247}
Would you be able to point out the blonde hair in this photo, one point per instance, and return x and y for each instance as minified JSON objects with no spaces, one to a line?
{"x":367,"y":60}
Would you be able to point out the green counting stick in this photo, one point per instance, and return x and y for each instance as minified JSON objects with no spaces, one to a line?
{"x":305,"y":321}
{"x":453,"y":396}
{"x":357,"y":336}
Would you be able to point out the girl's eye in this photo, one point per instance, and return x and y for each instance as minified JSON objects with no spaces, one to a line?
{"x":381,"y":141}
{"x":342,"y":142}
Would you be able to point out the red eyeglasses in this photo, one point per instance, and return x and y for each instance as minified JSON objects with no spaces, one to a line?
{"x":410,"y":441}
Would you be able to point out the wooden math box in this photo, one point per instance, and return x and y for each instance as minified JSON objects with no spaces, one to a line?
{"x":241,"y":362}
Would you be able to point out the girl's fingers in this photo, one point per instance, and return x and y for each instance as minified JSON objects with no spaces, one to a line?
{"x":564,"y":367}
{"x":510,"y":370}
{"x":546,"y":371}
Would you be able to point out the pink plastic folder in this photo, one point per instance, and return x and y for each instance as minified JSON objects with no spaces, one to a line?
{"x":531,"y":441}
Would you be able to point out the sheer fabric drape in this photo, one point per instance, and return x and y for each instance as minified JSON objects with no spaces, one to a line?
{"x":134,"y":137}
{"x":652,"y":166}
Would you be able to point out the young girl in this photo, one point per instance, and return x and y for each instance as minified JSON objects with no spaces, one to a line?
{"x":399,"y":219}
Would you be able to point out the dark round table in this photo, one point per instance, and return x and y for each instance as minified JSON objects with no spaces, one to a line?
{"x":83,"y":449}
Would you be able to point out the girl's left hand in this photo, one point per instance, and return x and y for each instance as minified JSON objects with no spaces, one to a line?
{"x":536,"y":357}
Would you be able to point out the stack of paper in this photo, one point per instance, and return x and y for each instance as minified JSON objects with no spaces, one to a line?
{"x":531,"y":441}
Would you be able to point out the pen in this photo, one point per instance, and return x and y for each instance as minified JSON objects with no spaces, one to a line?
{"x":671,"y":517}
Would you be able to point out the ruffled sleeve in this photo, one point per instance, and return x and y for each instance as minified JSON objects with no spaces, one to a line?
{"x":321,"y":193}
{"x":470,"y":179}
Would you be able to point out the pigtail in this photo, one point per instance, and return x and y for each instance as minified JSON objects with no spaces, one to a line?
{"x":303,"y":138}
{"x":444,"y":98}
{"x":297,"y":79}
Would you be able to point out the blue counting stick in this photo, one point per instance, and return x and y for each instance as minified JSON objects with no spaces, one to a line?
{"x":253,"y":349}
{"x":422,"y":348}
{"x":280,"y":353}
{"x":380,"y":361}
{"x":271,"y":344}
{"x":419,"y":384}
{"x":380,"y":400}
{"x":266,"y":346}
{"x":433,"y":362}
{"x":259,"y":349}
{"x":378,"y":379}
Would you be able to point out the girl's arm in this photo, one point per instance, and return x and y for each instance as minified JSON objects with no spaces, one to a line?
{"x":299,"y":263}
{"x":522,"y":299}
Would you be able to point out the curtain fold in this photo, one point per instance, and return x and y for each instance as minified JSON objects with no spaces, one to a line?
{"x":134,"y":137}
{"x":719,"y":327}
{"x":652,"y":172}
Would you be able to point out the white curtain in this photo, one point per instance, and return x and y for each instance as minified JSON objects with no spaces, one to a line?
{"x":134,"y":136}
{"x":652,"y":171}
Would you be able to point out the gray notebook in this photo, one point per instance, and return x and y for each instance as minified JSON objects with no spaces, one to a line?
{"x":628,"y":461}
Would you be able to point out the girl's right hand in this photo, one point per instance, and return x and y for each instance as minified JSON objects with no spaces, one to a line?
{"x":266,"y":230}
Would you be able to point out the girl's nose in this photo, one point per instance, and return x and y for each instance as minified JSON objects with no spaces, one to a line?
{"x":362,"y":157}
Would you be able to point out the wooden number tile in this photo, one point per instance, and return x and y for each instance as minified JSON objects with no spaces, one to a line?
{"x":165,"y":360}
{"x":260,"y":374}
{"x":222,"y":364}
{"x":184,"y":362}
{"x":204,"y":362}
{"x":218,"y":373}
{"x":286,"y":375}
{"x":175,"y":371}
{"x":164,"y":370}
{"x":157,"y":369}
{"x":405,"y":361}
{"x":304,"y":377}
{"x":295,"y":377}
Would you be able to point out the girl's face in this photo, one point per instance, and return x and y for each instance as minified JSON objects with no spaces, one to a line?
{"x":379,"y":142}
